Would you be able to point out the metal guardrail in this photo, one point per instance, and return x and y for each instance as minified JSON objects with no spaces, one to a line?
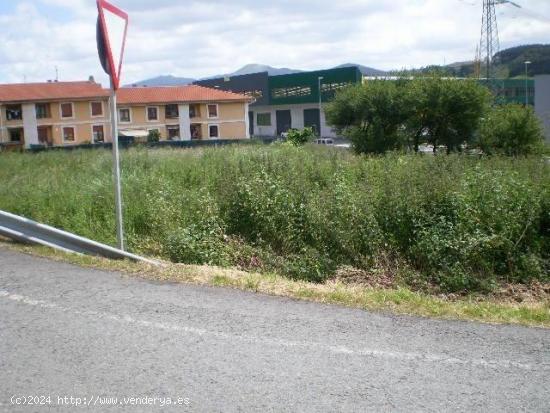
{"x":28,"y":231}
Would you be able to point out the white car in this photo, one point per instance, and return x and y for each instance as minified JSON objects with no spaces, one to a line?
{"x":323,"y":141}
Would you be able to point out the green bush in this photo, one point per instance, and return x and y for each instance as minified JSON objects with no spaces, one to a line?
{"x":511,"y":130}
{"x":200,"y":239}
{"x":456,"y":223}
{"x":299,"y":137}
{"x":153,"y":135}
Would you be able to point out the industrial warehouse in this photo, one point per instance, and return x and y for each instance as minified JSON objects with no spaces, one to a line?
{"x":292,"y":101}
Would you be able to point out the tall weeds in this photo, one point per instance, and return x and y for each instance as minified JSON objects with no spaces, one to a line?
{"x":456,"y":222}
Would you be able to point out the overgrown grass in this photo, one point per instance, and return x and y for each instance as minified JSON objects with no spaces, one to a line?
{"x":453,"y":223}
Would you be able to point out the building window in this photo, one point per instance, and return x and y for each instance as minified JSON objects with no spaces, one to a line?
{"x":43,"y":111}
{"x":98,"y":133}
{"x":212,"y":111}
{"x":264,"y":119}
{"x":14,"y":112}
{"x":16,"y":135}
{"x":294,"y":91}
{"x":332,"y":87}
{"x":256,"y":94}
{"x":68,"y":134}
{"x":196,"y":131}
{"x":96,"y":109}
{"x":194,"y":111}
{"x":45,"y":134}
{"x":152,"y":113}
{"x":67,"y":110}
{"x":173,"y":132}
{"x":124,"y":115}
{"x":172,"y":112}
{"x":213,"y":131}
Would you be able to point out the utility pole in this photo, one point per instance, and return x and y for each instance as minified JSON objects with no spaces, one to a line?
{"x":320,"y":78}
{"x":527,"y":63}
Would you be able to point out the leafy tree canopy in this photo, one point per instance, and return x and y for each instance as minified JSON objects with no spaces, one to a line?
{"x":371,"y":115}
{"x":511,"y":130}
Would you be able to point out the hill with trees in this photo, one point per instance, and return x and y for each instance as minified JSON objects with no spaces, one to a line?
{"x":510,"y":63}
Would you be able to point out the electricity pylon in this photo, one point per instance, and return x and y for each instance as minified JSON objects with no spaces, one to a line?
{"x":489,"y":45}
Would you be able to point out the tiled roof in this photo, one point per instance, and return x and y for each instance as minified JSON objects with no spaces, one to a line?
{"x":24,"y":92}
{"x":176,"y":94}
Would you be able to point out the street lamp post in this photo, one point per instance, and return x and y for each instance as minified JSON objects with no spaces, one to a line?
{"x":527,"y":63}
{"x":320,"y":78}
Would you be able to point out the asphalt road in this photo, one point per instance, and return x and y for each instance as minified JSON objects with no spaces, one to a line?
{"x":95,"y":336}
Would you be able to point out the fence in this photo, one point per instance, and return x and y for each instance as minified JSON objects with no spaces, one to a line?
{"x":128,"y":142}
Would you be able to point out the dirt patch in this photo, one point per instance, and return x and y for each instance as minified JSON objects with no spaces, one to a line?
{"x":522,"y":293}
{"x":375,"y":278}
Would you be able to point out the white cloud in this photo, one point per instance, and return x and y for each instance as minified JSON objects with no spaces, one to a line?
{"x":197,"y":38}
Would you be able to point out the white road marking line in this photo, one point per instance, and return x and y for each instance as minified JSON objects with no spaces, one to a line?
{"x":408,"y":356}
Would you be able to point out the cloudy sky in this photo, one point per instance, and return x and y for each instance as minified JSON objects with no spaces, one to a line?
{"x":202,"y":38}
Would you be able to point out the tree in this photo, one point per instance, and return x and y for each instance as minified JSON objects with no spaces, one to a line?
{"x":444,"y":111}
{"x":512,"y":130}
{"x":370,"y":115}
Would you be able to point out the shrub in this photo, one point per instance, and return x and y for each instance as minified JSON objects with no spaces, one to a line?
{"x":488,"y":232}
{"x":300,"y":137}
{"x":153,"y":136}
{"x":200,"y":239}
{"x":511,"y":130}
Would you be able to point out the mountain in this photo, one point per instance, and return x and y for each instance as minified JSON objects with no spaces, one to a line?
{"x":257,"y":68}
{"x":365,"y":70}
{"x":167,"y":80}
{"x":246,"y":70}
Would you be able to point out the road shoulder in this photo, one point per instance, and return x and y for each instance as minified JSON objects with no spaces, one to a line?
{"x":534,"y":313}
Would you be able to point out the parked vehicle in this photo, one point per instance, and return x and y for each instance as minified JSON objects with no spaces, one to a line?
{"x":324,"y":141}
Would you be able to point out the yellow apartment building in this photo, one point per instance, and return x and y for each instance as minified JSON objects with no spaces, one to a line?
{"x":72,"y":113}
{"x":183,"y":112}
{"x":54,"y":113}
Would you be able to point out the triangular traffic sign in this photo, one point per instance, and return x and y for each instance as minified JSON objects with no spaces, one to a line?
{"x":111,"y":38}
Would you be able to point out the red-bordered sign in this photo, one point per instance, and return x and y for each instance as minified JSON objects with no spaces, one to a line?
{"x":112,"y":26}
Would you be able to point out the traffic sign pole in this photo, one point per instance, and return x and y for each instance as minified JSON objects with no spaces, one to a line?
{"x":110,"y":46}
{"x":116,"y":170}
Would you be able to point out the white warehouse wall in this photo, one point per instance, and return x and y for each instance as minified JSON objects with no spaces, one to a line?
{"x":297,"y":117}
{"x":542,"y":101}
